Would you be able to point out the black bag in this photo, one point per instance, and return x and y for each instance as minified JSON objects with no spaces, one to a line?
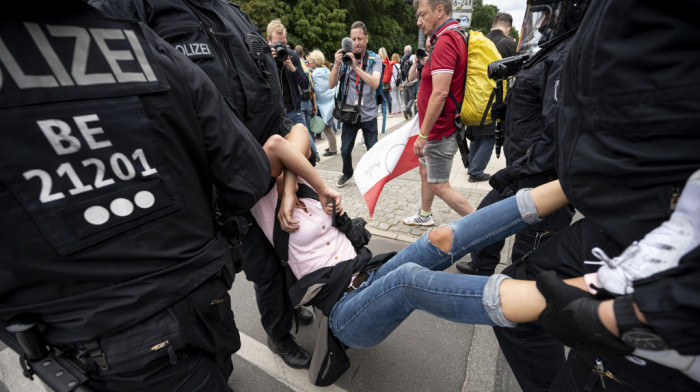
{"x":348,"y":116}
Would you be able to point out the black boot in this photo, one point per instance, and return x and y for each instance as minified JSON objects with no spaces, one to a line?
{"x":304,"y":316}
{"x":290,"y":352}
{"x":468,"y":267}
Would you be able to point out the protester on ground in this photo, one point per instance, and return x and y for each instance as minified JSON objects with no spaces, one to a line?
{"x":324,"y":98}
{"x":482,"y":138}
{"x":115,"y":255}
{"x":358,"y":292}
{"x":358,"y":85}
{"x":255,"y":95}
{"x":396,"y":84}
{"x":436,"y":145}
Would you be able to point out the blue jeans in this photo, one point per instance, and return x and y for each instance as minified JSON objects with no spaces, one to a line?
{"x":299,"y":118}
{"x":413,"y":279}
{"x":347,"y":137}
{"x":480,"y":154}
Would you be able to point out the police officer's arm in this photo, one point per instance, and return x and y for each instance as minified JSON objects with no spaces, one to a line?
{"x":237,"y":163}
{"x":541,"y":154}
{"x":373,"y":78}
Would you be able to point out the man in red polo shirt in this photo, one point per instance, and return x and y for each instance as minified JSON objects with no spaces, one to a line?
{"x":443,"y":73}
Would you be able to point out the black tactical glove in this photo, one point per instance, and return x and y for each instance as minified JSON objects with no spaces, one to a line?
{"x":504,"y":182}
{"x":571,"y":315}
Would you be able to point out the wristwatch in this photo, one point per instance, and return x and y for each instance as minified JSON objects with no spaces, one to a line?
{"x":632,"y":332}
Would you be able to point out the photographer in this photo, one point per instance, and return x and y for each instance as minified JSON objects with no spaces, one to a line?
{"x":360,"y":73}
{"x":292,"y":76}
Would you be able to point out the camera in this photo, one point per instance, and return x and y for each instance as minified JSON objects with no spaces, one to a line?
{"x":282,"y":51}
{"x":509,"y":66}
{"x":420,"y":54}
{"x":348,"y":57}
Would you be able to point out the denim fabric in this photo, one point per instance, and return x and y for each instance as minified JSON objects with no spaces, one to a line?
{"x":387,"y":101}
{"x":299,"y":118}
{"x":347,"y":137}
{"x":480,"y":154}
{"x":413,"y":279}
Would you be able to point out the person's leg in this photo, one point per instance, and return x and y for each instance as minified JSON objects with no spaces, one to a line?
{"x":370,"y":133}
{"x":473,"y":147}
{"x":484,"y":260}
{"x":332,"y":145}
{"x":480,"y":156}
{"x":347,"y":138}
{"x":439,"y":157}
{"x":424,"y":217}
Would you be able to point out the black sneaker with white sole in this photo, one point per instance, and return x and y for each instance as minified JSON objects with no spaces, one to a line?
{"x":342,"y":181}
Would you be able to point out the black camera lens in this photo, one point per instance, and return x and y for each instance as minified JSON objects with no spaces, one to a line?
{"x":282,"y":53}
{"x":347,"y":58}
{"x":420,"y":53}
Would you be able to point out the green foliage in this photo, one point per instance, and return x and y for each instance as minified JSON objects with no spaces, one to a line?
{"x":322,"y":24}
{"x":482,"y":16}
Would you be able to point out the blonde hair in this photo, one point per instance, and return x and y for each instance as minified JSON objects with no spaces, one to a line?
{"x":317,"y":58}
{"x":395,"y":57}
{"x":382,"y":53}
{"x":275,"y":26}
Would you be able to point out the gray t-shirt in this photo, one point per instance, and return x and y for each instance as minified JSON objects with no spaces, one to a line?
{"x":368,"y":109}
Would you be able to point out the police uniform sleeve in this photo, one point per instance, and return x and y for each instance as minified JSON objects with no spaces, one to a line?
{"x":540,"y":157}
{"x":670,"y":302}
{"x":238,"y":166}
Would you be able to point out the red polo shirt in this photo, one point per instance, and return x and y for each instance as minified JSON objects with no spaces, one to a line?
{"x":448,"y":55}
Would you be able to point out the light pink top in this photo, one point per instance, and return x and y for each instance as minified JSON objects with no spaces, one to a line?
{"x":315,"y":245}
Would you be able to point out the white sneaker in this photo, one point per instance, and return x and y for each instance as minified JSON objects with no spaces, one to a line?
{"x":659,"y":250}
{"x":419,"y":220}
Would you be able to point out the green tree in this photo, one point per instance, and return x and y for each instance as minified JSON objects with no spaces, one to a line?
{"x":482,"y":16}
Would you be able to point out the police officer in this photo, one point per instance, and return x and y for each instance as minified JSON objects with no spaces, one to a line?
{"x":231,"y":50}
{"x":112,"y":143}
{"x":529,"y":148}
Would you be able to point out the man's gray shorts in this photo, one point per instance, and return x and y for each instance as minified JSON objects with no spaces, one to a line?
{"x":438,"y":156}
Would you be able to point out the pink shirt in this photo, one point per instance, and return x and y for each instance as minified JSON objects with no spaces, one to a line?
{"x":316,"y":244}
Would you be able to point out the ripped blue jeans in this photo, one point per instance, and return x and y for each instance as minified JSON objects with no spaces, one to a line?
{"x":414,"y":279}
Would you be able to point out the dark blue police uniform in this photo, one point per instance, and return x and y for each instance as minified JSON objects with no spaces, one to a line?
{"x":112,"y":144}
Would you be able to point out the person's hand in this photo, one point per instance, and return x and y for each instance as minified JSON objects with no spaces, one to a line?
{"x":504,"y":182}
{"x":338,"y":57}
{"x":315,"y":109}
{"x":326,"y":197}
{"x":571,"y":315}
{"x":287,"y":223}
{"x":290,"y":66}
{"x":419,"y":145}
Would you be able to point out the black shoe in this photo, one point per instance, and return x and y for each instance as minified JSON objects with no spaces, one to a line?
{"x":405,"y":115}
{"x":318,"y":158}
{"x":304,"y":316}
{"x":479,"y":177}
{"x":343,"y":180}
{"x":290,"y":352}
{"x":328,"y":149}
{"x":329,"y":154}
{"x":467,"y":267}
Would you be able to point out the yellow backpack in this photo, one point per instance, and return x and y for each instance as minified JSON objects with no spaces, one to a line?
{"x":481,"y":51}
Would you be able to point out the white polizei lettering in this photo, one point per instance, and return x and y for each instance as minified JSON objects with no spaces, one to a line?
{"x":58,"y":134}
{"x":23,"y":80}
{"x":114,"y":56}
{"x":89,"y":133}
{"x":140,"y":55}
{"x":80,"y":55}
{"x":49,"y":54}
{"x":193,"y":49}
